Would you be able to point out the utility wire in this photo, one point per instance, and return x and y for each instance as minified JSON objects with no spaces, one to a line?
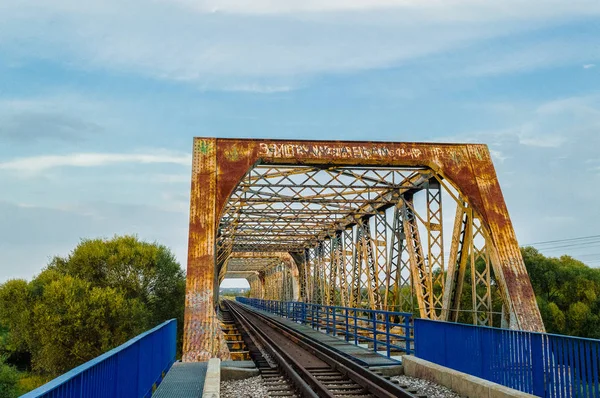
{"x":562,"y":240}
{"x":578,"y":246}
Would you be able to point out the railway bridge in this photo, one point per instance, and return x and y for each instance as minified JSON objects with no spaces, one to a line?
{"x":414,"y":227}
{"x":361,"y":257}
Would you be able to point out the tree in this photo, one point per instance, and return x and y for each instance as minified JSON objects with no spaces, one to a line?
{"x":15,"y":313}
{"x":568,"y":293}
{"x":16,"y":323}
{"x":140,"y":270}
{"x":80,"y":322}
{"x":9,"y":379}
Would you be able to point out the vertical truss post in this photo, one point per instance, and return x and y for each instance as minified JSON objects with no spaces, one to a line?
{"x":285,"y":296}
{"x":398,"y":293}
{"x":481,"y":276}
{"x":457,"y":263}
{"x":337,"y":270}
{"x":356,"y":285}
{"x":268,"y":285}
{"x":435,"y":245}
{"x":420,"y":275}
{"x":305,"y":290}
{"x":348,"y":265}
{"x":256,"y":287}
{"x":329,"y":275}
{"x":318,"y":274}
{"x":391,"y":301}
{"x":369,"y":281}
{"x":311,"y":271}
{"x":380,"y":257}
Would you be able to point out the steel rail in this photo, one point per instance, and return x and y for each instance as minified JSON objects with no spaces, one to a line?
{"x":372,"y":382}
{"x":284,"y":361}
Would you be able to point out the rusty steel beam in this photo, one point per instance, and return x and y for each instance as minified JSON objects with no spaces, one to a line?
{"x":337,"y":208}
{"x":202,"y":335}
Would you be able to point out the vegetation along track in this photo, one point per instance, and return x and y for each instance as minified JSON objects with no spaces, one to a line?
{"x":295,"y":366}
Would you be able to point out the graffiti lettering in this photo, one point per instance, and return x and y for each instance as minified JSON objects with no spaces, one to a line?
{"x":289,"y":151}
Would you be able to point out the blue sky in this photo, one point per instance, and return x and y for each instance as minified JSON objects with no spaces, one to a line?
{"x":99,"y":103}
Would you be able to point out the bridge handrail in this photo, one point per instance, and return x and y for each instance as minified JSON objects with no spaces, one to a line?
{"x":543,"y":364}
{"x":338,"y":320}
{"x":117,"y":382}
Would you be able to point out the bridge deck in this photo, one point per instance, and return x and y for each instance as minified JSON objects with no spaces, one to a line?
{"x":183,"y":380}
{"x":365,"y":355}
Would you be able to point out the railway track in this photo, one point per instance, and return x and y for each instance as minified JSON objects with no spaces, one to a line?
{"x":294,"y":366}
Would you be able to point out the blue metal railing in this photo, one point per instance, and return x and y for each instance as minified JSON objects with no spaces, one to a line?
{"x":130,"y":370}
{"x":387,"y":331}
{"x":537,"y":363}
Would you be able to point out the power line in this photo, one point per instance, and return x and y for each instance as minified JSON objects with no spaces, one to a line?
{"x":562,"y":240}
{"x":578,"y":246}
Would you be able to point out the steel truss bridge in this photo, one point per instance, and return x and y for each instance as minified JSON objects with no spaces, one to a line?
{"x":346,"y":244}
{"x":412,"y":227}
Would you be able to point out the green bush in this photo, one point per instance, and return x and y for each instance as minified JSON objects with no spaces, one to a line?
{"x":29,"y":382}
{"x":9,"y":381}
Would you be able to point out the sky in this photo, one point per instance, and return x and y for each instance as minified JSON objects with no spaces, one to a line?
{"x":99,"y":102}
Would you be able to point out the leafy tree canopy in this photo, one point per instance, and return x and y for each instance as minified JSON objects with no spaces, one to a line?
{"x":104,"y":293}
{"x":568,"y":293}
{"x":80,"y":322}
{"x":140,"y":270}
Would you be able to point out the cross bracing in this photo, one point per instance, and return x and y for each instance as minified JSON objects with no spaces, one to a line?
{"x":295,"y":207}
{"x":365,"y":237}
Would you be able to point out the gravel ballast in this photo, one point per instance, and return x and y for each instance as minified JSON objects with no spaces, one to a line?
{"x":253,"y":387}
{"x":248,"y":388}
{"x":426,"y":387}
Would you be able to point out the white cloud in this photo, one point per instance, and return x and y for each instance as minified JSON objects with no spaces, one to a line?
{"x":531,"y":55}
{"x":589,"y":66}
{"x":259,"y":89}
{"x":541,"y":140}
{"x":551,"y":148}
{"x":36,"y":164}
{"x":446,"y":9}
{"x":498,"y":155}
{"x":550,"y":124}
{"x":213,"y":43}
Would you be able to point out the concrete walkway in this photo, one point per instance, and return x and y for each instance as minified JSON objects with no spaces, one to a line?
{"x":184,"y":380}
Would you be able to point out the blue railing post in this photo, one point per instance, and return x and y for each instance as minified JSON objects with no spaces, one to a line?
{"x":407,"y":337}
{"x":374,"y":320}
{"x":537,"y":365}
{"x":334,"y":323}
{"x":327,"y":320}
{"x":303,"y":314}
{"x":347,"y":338}
{"x":355,"y":329}
{"x":387,"y":334}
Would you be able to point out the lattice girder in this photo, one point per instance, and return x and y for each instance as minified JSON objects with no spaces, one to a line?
{"x":344,"y":212}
